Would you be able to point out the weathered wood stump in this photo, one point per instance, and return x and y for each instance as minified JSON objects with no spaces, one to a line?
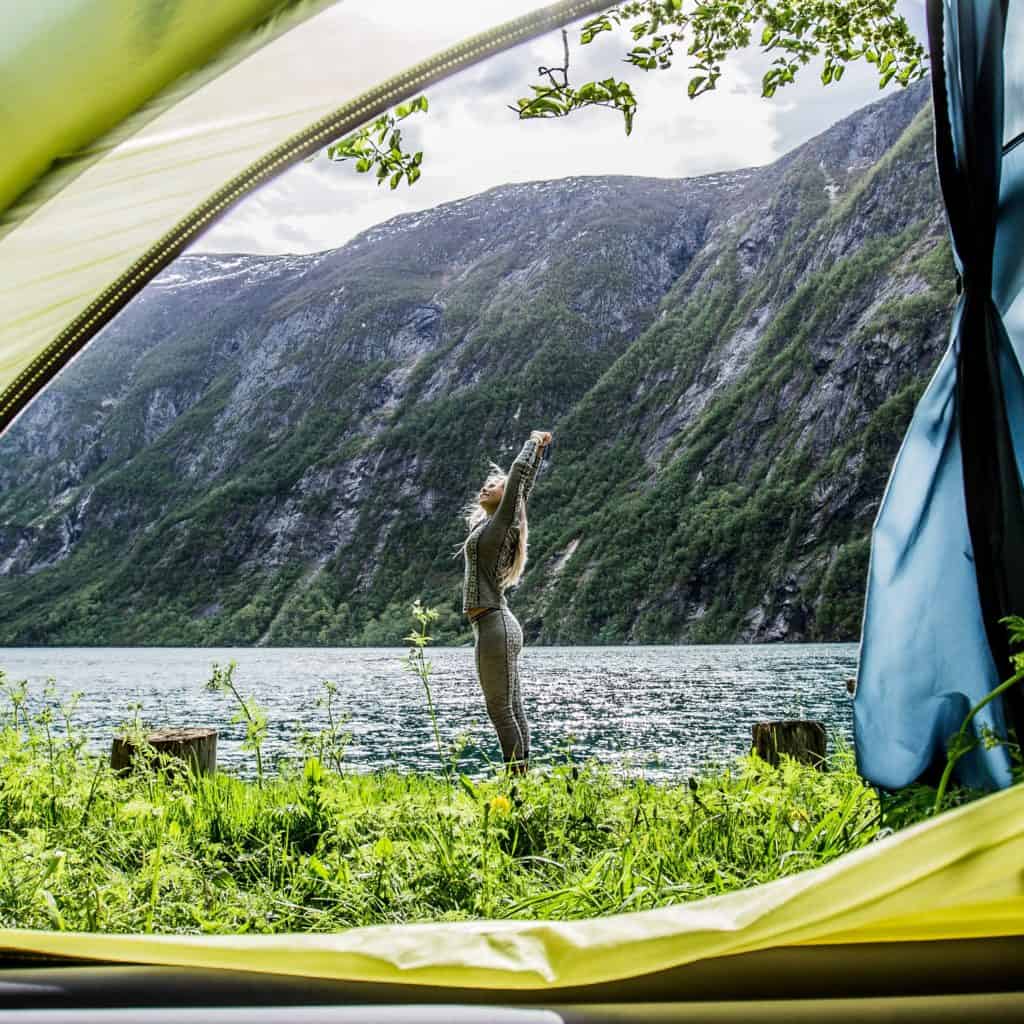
{"x":196,"y":748}
{"x":800,"y":739}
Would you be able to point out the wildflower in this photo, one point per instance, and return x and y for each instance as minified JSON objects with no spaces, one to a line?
{"x":500,"y":805}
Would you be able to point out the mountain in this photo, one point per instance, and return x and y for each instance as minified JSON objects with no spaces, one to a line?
{"x":276,"y":449}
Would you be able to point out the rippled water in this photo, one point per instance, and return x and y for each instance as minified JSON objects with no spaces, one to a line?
{"x":671,"y":710}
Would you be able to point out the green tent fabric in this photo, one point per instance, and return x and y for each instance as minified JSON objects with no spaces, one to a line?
{"x":79,"y":70}
{"x":210,"y":107}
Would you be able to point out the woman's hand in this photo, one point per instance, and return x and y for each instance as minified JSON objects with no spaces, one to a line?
{"x":542,"y":437}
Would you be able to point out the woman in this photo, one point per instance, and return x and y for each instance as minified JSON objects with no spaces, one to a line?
{"x":495,"y":556}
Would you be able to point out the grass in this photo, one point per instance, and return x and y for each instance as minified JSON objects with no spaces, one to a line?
{"x":312,"y":849}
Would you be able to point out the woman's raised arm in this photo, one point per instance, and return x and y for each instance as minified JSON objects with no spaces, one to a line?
{"x":521,"y":476}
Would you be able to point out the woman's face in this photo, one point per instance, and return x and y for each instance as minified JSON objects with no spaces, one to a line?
{"x":490,"y":495}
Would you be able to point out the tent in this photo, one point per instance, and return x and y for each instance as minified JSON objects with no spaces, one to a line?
{"x":947,"y":561}
{"x":188,"y":107}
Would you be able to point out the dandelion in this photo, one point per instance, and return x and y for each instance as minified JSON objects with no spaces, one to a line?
{"x":500,"y":805}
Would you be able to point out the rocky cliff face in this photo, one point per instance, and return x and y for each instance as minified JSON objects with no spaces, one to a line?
{"x":275,"y":449}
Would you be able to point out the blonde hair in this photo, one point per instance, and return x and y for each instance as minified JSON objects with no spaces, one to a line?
{"x":474,"y":514}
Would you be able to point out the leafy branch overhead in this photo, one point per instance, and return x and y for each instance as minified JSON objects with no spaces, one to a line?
{"x":701,"y":32}
{"x":557,"y":98}
{"x":705,"y":32}
{"x":378,"y":146}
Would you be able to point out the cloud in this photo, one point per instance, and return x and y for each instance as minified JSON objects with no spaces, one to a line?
{"x":473,"y":142}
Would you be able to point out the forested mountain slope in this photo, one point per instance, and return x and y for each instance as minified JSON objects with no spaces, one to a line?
{"x":275,"y":449}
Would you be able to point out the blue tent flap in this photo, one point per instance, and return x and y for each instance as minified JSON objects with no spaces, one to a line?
{"x":947,"y":561}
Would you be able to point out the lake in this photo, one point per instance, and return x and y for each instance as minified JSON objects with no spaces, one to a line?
{"x":667,"y":710}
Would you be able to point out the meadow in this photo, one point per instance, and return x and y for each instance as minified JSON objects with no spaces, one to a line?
{"x":316,"y":847}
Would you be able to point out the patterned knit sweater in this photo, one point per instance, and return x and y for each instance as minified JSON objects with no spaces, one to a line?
{"x":491,"y":547}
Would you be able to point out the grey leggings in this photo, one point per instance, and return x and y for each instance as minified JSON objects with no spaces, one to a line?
{"x":499,"y":639}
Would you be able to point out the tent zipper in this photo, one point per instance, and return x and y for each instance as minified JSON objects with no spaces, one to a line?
{"x":77,"y":334}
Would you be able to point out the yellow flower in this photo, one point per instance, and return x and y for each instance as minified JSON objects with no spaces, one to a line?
{"x":500,"y":805}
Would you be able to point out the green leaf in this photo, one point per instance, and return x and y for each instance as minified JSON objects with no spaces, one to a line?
{"x":317,"y":867}
{"x":595,"y":27}
{"x":54,"y":861}
{"x":547,"y":105}
{"x":52,"y":909}
{"x":695,"y":84}
{"x":139,"y":809}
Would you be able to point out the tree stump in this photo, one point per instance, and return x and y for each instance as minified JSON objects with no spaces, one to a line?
{"x":196,"y":748}
{"x":802,"y":740}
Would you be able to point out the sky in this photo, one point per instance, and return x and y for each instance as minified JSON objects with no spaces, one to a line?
{"x":473,"y":142}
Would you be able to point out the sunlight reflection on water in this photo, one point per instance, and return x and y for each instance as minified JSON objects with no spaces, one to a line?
{"x":670,"y":710}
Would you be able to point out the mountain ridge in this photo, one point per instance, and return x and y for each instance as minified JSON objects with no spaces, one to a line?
{"x":729,"y":361}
